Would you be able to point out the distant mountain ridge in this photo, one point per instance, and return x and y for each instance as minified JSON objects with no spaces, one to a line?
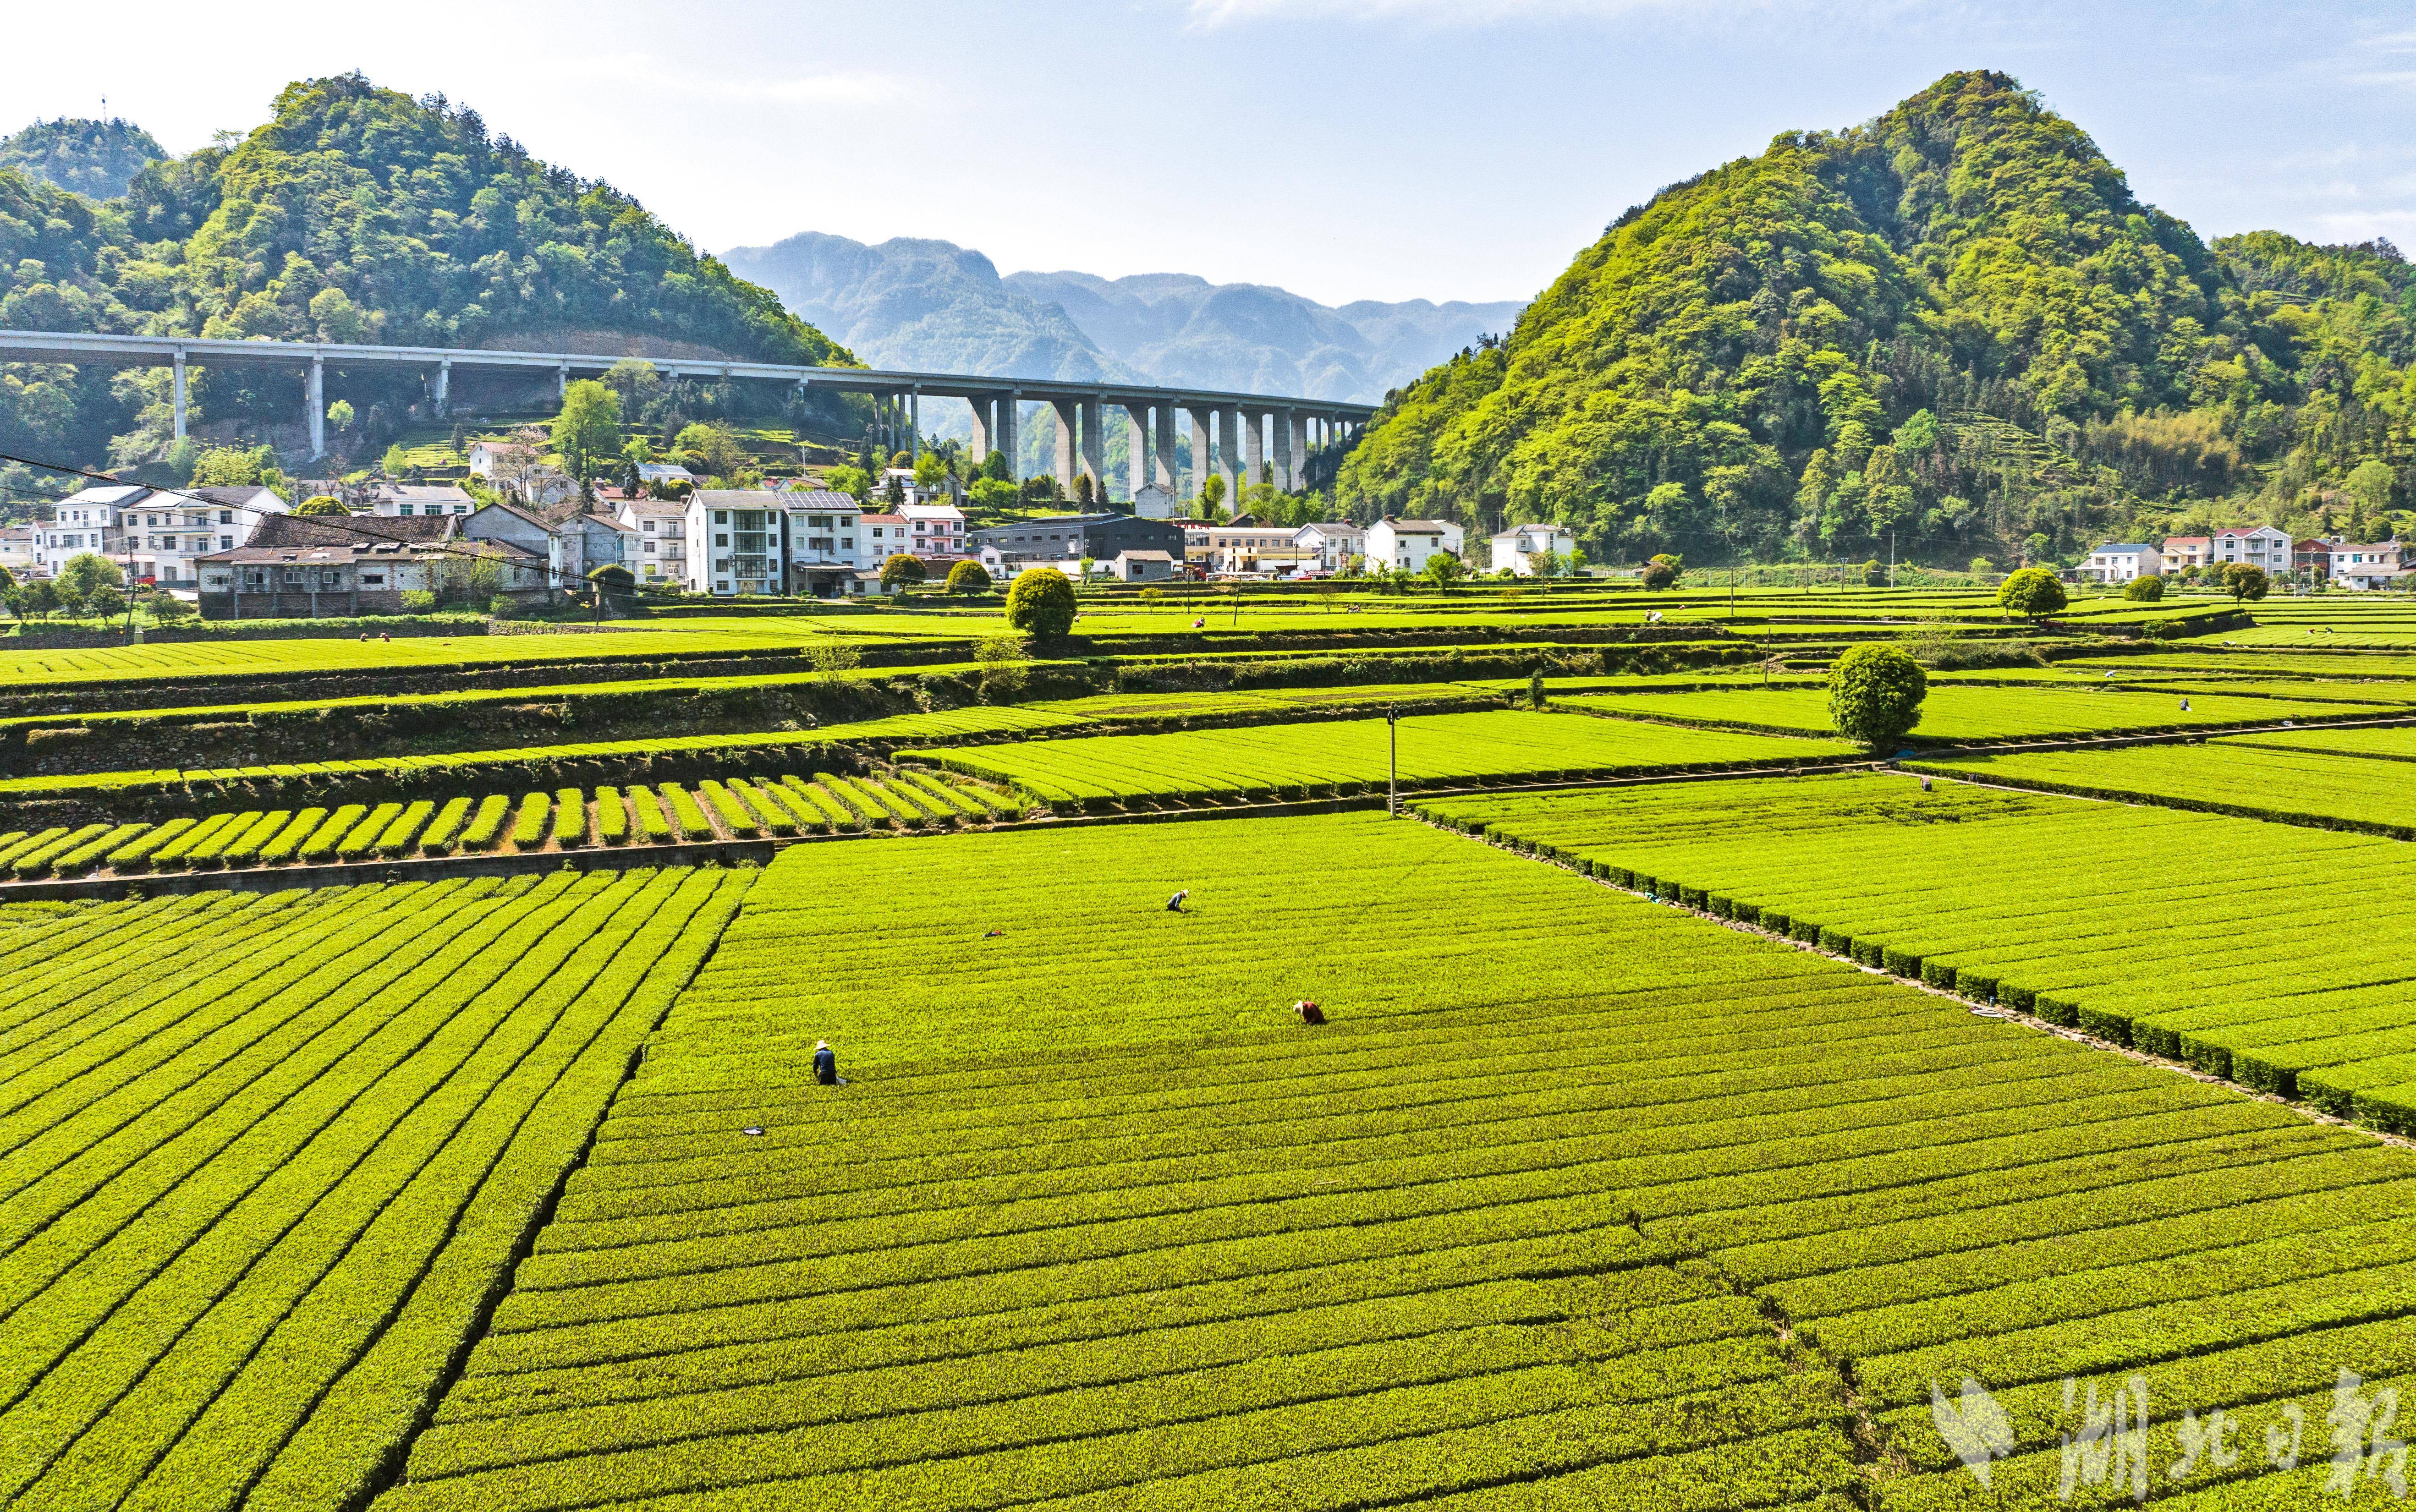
{"x":933,"y":305}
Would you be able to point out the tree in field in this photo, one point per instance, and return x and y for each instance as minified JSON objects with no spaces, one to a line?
{"x":1982,"y":567}
{"x":995,"y":467}
{"x":1041,"y":604}
{"x":83,"y":575}
{"x":995,"y":493}
{"x":1002,"y":660}
{"x":2243,"y":581}
{"x":1210,"y":505}
{"x":1661,"y":572}
{"x":2144,"y":590}
{"x":341,"y":416}
{"x":902,"y":570}
{"x":893,"y":492}
{"x":968,"y":578}
{"x":852,"y":481}
{"x":1085,"y":490}
{"x":613,"y":583}
{"x":232,"y":467}
{"x":929,"y":469}
{"x":587,"y":432}
{"x":1443,"y":569}
{"x":322,"y":504}
{"x":1875,"y":693}
{"x":1040,"y":488}
{"x":2032,"y":593}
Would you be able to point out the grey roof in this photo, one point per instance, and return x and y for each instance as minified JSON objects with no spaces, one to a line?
{"x":287,"y":530}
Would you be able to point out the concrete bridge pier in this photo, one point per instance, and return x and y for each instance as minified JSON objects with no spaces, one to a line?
{"x":914,"y":422}
{"x":1137,"y":449}
{"x":1095,"y":445}
{"x":985,"y":408}
{"x":1254,"y":445}
{"x":443,"y":393}
{"x":1203,"y":450}
{"x":1011,"y":433}
{"x":1164,"y":455}
{"x":318,"y":403}
{"x":1068,"y":414}
{"x":1286,"y":479}
{"x":180,"y":393}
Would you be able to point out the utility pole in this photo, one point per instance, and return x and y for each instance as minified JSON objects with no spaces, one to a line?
{"x":1891,"y":556}
{"x":1393,"y":786}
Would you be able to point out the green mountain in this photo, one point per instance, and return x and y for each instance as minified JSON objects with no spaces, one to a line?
{"x":1954,"y":323}
{"x":355,"y":214}
{"x":94,"y":158}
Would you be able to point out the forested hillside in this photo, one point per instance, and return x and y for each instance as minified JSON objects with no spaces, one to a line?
{"x":355,"y":214}
{"x":1954,"y":323}
{"x":97,"y":158}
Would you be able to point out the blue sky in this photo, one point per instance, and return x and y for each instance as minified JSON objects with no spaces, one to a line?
{"x":1347,"y":150}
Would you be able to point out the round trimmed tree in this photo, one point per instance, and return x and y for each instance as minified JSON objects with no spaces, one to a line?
{"x":967,"y":577}
{"x":2144,"y":590}
{"x":1041,"y":603}
{"x":322,"y":504}
{"x":2032,"y":593}
{"x":1875,"y":693}
{"x":902,"y":570}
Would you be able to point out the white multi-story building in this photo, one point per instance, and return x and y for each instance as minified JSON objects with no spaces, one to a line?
{"x":2121,"y":561}
{"x":90,"y":519}
{"x":167,"y":534}
{"x":1410,"y":543}
{"x":822,"y":527}
{"x":2381,"y":565}
{"x":1516,"y":548}
{"x":1334,"y":541}
{"x":735,"y":539}
{"x":2262,"y":546}
{"x":657,"y":542}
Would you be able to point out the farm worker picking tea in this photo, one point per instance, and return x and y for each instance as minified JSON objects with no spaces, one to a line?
{"x":826,"y":1065}
{"x":1175,"y":904}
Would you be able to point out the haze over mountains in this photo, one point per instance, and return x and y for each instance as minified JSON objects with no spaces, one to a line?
{"x":933,"y":305}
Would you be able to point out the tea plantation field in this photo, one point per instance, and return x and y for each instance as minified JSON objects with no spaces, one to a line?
{"x":1302,"y":760}
{"x":267,"y":1156}
{"x":1597,"y":1205}
{"x":1954,"y":713}
{"x":2040,"y":902}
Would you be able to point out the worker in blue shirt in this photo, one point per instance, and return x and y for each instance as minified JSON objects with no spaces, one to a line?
{"x":825,"y":1064}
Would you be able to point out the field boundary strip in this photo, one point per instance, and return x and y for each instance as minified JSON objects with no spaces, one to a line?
{"x":1993,"y":1008}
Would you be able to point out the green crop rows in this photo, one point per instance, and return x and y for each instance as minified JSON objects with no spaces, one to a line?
{"x":564,"y":820}
{"x":1342,"y":757}
{"x":252,"y":1212}
{"x":2341,"y":779}
{"x":1954,"y":713}
{"x":1581,"y":1208}
{"x":2041,"y":904}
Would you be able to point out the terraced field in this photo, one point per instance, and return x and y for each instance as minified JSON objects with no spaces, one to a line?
{"x":1954,"y":713}
{"x":2042,"y":903}
{"x":1305,"y":761}
{"x":2352,"y":785}
{"x":1594,"y":1206}
{"x":567,"y":818}
{"x":267,"y":1157}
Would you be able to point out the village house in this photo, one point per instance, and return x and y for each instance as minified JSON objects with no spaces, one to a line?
{"x":658,"y":540}
{"x":167,"y":534}
{"x":1519,"y":549}
{"x":822,"y":526}
{"x":298,"y":566}
{"x":1334,"y":541}
{"x":734,"y":541}
{"x":2365,"y":568}
{"x":1409,"y":544}
{"x":2121,"y":561}
{"x":411,"y":499}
